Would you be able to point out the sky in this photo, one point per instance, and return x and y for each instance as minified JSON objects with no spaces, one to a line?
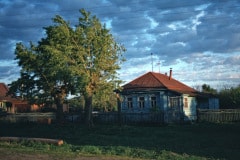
{"x":198,"y":39}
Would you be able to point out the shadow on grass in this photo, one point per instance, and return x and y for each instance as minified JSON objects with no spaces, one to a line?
{"x":216,"y":141}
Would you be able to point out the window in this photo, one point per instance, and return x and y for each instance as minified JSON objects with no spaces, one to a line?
{"x":185,"y":102}
{"x":174,"y":102}
{"x":153,"y":102}
{"x":129,"y":103}
{"x":141,"y":102}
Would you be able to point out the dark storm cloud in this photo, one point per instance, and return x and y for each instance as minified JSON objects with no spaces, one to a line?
{"x":216,"y":30}
{"x":8,"y":72}
{"x":6,"y":47}
{"x":174,"y":31}
{"x":21,"y":21}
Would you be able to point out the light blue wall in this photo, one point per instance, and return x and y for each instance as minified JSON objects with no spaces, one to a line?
{"x":190,"y":113}
{"x":208,"y":103}
{"x":160,"y":102}
{"x":213,"y":103}
{"x":165,"y":102}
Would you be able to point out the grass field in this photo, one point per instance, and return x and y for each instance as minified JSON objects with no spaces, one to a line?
{"x":196,"y":141}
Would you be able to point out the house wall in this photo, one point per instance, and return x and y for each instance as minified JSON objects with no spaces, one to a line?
{"x":213,"y":103}
{"x":208,"y":103}
{"x":203,"y":103}
{"x":11,"y":109}
{"x":190,"y":111}
{"x":162,"y":101}
{"x":162,"y":104}
{"x":147,"y":102}
{"x":164,"y":98}
{"x":3,"y":105}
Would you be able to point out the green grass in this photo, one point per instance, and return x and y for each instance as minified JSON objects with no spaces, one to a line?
{"x":197,"y":141}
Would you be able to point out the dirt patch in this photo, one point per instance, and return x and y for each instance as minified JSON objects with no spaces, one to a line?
{"x":11,"y":155}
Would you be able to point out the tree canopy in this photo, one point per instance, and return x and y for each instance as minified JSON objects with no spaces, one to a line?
{"x":81,"y":59}
{"x":230,"y":98}
{"x":207,"y":89}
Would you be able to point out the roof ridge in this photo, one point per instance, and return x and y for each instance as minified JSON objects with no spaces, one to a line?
{"x":3,"y":89}
{"x":5,"y":86}
{"x":172,"y":79}
{"x":138,"y":77}
{"x":153,"y":73}
{"x":156,"y":80}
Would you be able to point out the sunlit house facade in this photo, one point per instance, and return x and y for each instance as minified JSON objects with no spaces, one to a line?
{"x":156,"y":92}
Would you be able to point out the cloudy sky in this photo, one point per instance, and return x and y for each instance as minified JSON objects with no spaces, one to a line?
{"x":199,"y":39}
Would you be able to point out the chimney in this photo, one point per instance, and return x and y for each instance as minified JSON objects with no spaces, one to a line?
{"x":170,"y":74}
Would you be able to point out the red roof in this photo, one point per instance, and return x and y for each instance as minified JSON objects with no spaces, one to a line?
{"x":4,"y":97}
{"x":152,"y":80}
{"x":3,"y":89}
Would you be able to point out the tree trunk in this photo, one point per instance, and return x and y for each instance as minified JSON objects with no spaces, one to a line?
{"x":59,"y":103}
{"x":88,"y":111}
{"x":119,"y":109}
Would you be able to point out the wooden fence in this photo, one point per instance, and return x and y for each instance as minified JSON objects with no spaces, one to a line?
{"x":221,"y":115}
{"x":100,"y":117}
{"x":29,"y":117}
{"x":129,"y":118}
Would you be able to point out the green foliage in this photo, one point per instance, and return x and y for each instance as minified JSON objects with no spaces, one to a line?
{"x":207,"y":89}
{"x":230,"y":98}
{"x":79,"y":60}
{"x":105,"y":100}
{"x":76,"y":104}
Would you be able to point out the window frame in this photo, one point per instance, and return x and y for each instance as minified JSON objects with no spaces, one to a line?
{"x":141,"y":102}
{"x":186,"y":102}
{"x":153,"y":100}
{"x":129,"y":102}
{"x":174,"y":102}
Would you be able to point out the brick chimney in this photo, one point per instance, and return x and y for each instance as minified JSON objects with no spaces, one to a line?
{"x":170,"y":74}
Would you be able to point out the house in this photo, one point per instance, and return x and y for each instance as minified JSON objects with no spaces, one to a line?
{"x":156,"y":92}
{"x":207,"y":101}
{"x":12,"y":104}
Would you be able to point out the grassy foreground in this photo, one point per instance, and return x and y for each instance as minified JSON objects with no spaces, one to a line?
{"x":196,"y":141}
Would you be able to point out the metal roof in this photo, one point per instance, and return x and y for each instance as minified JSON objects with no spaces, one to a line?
{"x":158,"y":81}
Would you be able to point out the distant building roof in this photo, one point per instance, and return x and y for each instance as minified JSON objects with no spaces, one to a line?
{"x":3,"y":89}
{"x":156,"y":81}
{"x":4,"y":97}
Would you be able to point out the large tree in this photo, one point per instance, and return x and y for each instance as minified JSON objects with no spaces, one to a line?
{"x":99,"y":59}
{"x":81,"y":59}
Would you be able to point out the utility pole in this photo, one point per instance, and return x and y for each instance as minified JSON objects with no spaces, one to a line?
{"x":159,"y":66}
{"x":152,"y":61}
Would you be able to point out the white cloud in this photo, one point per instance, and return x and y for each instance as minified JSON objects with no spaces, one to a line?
{"x":193,"y":37}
